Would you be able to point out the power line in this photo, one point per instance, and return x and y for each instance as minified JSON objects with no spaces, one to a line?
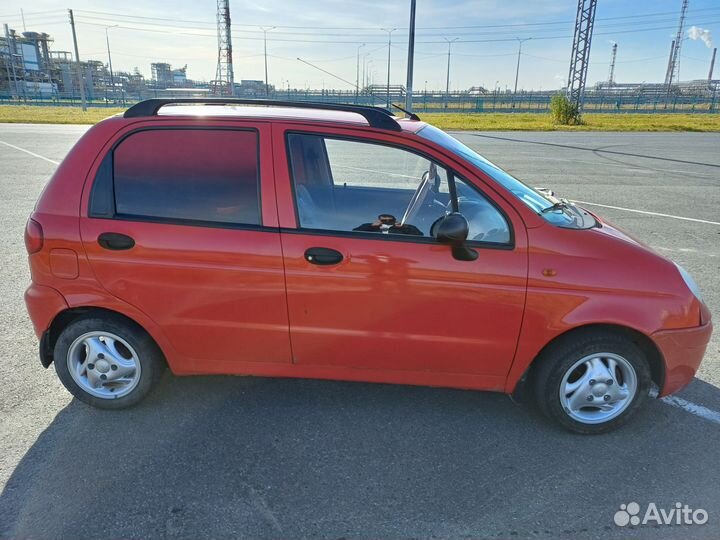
{"x":537,"y":27}
{"x":594,"y":62}
{"x":362,"y":36}
{"x":44,"y":22}
{"x":211,"y":56}
{"x":325,"y":71}
{"x":194,"y":32}
{"x":332,"y":59}
{"x":567,"y":21}
{"x":165,"y":20}
{"x":496,"y":40}
{"x":32,"y":14}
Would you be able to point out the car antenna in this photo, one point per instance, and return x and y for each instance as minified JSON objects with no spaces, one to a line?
{"x":411,"y":116}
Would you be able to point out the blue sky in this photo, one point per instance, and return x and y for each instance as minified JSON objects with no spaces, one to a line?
{"x":327,"y":33}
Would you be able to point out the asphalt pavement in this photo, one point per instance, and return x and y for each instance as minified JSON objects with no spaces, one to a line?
{"x":232,"y":457}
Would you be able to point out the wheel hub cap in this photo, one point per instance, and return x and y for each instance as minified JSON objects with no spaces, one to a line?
{"x":598,"y":388}
{"x":104,"y":365}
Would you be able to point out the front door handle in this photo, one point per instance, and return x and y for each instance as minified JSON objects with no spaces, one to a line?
{"x":323,"y":256}
{"x":115,"y":241}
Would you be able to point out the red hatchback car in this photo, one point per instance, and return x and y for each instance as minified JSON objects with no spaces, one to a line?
{"x":342,"y":242}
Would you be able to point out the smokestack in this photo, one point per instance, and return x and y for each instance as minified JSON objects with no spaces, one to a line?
{"x":671,"y":66}
{"x":712,"y":65}
{"x":611,"y":75}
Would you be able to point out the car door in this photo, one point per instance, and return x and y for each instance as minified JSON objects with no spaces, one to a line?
{"x":175,"y":225}
{"x":368,"y":286}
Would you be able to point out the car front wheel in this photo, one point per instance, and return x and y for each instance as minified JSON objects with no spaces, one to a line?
{"x":592,"y":383}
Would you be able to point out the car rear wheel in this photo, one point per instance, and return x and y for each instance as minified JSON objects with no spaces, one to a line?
{"x":107,"y":362}
{"x":592,"y":383}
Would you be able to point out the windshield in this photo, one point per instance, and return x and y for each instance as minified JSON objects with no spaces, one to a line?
{"x":562,"y":215}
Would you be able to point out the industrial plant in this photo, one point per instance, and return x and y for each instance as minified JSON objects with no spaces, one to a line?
{"x":32,"y":70}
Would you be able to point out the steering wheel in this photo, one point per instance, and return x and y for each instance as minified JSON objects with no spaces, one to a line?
{"x":421,"y":193}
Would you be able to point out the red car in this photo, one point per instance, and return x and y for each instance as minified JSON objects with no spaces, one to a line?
{"x":342,"y":242}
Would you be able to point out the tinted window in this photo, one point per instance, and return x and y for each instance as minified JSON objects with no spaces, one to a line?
{"x":343,"y":185}
{"x":184,"y":174}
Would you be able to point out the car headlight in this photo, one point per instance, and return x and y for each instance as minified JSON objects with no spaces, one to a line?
{"x":690,"y":282}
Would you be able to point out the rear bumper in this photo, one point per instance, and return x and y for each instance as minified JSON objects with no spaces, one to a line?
{"x":43,"y":304}
{"x":683,"y":350}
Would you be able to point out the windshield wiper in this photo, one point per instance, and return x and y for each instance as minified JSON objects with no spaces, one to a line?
{"x":560,"y":205}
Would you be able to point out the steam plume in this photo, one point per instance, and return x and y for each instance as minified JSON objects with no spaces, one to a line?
{"x":699,"y":33}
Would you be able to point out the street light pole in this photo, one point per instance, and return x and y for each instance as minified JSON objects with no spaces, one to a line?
{"x":364,"y":80}
{"x":517,"y":70}
{"x":357,"y":73}
{"x":411,"y":59}
{"x":107,"y":41}
{"x":389,"y":31}
{"x":447,"y":81}
{"x":265,"y":30}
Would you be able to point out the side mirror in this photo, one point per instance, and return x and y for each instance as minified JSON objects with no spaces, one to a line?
{"x":453,"y":229}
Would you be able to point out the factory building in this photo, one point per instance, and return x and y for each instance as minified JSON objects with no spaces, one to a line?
{"x":25,"y":63}
{"x":30,"y":69}
{"x":164,"y":76}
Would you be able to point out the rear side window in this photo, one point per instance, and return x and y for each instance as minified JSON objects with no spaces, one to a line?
{"x":186,"y":175}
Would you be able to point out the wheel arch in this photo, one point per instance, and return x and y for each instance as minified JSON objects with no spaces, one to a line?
{"x":70,"y":315}
{"x":654,"y":356}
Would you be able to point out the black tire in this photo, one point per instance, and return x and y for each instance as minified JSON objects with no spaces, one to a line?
{"x":557,"y":359}
{"x":152,"y":363}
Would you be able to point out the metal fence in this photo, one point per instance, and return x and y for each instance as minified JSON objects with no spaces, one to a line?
{"x":432,"y":102}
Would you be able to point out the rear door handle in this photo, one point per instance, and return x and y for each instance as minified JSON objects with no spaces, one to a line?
{"x":323,"y":256}
{"x":115,"y":241}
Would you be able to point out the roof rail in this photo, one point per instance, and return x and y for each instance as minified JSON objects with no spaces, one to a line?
{"x":376,"y":117}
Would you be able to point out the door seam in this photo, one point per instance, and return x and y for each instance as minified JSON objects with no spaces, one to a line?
{"x":273,"y":130}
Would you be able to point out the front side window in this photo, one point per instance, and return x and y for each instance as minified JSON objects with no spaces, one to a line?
{"x":188,"y":175}
{"x":351,"y":186}
{"x":562,"y":215}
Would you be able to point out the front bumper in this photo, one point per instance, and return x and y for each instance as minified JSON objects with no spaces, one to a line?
{"x":683,"y":350}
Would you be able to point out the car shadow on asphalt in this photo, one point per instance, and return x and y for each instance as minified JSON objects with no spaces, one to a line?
{"x":230,"y":457}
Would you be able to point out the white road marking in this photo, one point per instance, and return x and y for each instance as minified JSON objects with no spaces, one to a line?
{"x":686,"y":250}
{"x":658,"y":214}
{"x":31,"y":153}
{"x":693,"y":408}
{"x":388,"y":173}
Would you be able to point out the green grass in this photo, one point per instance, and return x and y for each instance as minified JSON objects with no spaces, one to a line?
{"x":591,"y":122}
{"x":16,"y":114}
{"x":469,"y":121}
